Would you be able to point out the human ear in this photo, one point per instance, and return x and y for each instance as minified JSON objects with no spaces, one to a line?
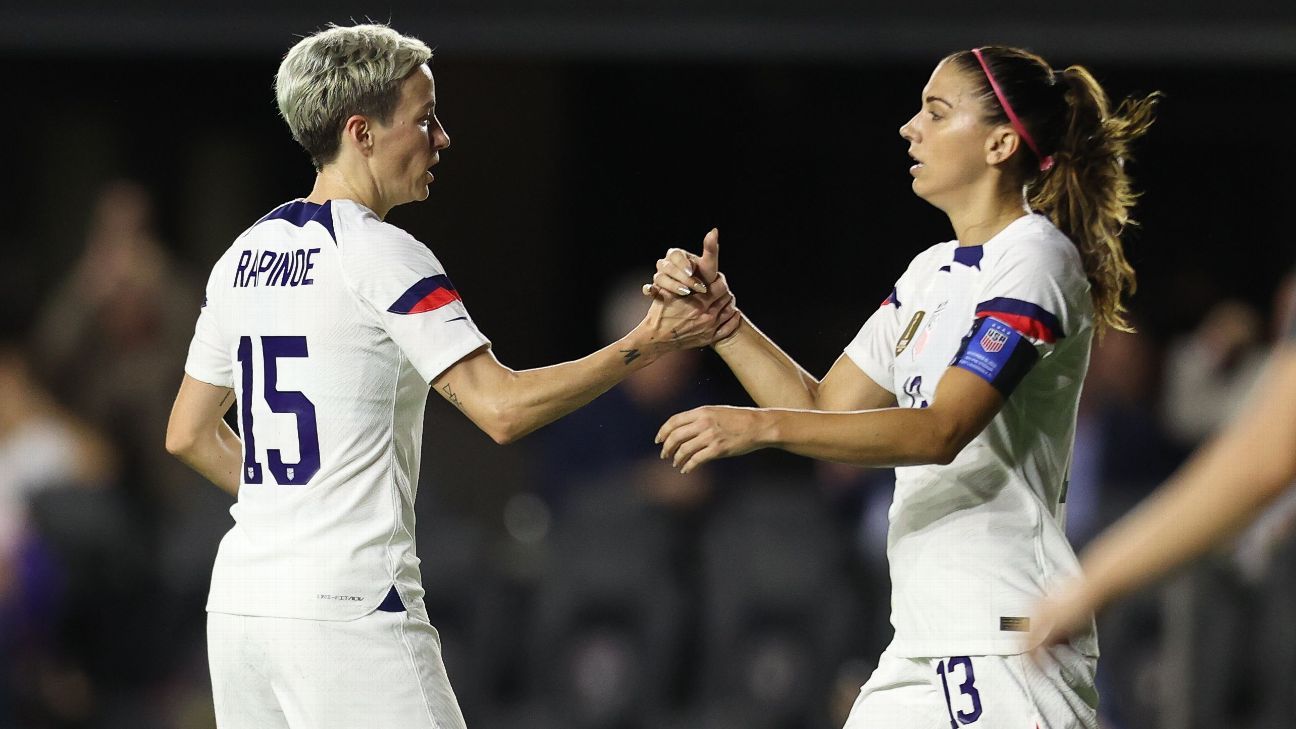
{"x":1000,"y":145}
{"x":356,"y":131}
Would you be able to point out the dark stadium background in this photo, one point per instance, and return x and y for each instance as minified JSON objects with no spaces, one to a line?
{"x":587,"y":138}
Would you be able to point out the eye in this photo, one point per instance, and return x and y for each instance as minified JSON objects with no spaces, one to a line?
{"x":934,"y":115}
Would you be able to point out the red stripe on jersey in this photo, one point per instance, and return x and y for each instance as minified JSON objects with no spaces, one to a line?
{"x":435,"y":300}
{"x":1025,"y":325}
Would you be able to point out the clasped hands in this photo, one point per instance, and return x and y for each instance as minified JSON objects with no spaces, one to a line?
{"x":694,"y":437}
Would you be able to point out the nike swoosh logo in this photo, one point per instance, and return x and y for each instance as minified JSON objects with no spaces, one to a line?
{"x":457,"y":318}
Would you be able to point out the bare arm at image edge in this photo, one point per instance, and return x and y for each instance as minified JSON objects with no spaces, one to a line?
{"x":1223,"y":486}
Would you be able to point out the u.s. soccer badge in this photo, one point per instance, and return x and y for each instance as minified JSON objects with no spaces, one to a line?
{"x":993,"y":340}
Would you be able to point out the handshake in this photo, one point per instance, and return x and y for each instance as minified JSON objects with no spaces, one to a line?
{"x":692,"y":304}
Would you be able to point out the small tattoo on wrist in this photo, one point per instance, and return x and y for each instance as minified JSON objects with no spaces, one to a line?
{"x":629,"y":355}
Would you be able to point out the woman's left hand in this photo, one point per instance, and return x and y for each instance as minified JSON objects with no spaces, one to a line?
{"x":694,"y":437}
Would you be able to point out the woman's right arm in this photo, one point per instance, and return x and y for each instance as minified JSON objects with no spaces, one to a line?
{"x":770,"y":376}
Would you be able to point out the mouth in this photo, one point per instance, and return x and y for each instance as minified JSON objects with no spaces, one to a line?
{"x":918,"y":164}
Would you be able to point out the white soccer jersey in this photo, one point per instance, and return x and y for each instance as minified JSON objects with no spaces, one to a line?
{"x":973,"y":545}
{"x":329,"y":324}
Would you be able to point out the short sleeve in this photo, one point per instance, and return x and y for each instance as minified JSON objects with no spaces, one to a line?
{"x":1025,"y":308}
{"x":873,"y":348}
{"x":414,"y":299}
{"x":210,"y":357}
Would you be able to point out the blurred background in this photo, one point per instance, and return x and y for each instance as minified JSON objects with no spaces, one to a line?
{"x":577,"y":581}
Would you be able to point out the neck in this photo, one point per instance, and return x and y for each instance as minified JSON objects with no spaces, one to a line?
{"x":985,"y":212}
{"x":339,"y":182}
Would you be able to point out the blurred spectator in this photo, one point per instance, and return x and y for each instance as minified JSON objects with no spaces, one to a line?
{"x":1120,"y":454}
{"x":109,"y":341}
{"x":1121,"y":451}
{"x":116,"y":329}
{"x":1214,"y":607}
{"x":111,"y":338}
{"x":43,"y":451}
{"x":1276,"y":527}
{"x":1209,"y":372}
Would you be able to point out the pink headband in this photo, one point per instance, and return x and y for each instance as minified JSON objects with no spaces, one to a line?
{"x":1046,"y":163}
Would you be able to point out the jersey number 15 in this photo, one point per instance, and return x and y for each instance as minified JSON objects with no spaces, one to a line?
{"x":289,"y":402}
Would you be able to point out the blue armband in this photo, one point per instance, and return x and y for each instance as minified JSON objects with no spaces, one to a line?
{"x":996,"y":353}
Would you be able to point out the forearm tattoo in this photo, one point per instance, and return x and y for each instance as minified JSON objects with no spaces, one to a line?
{"x":629,"y":355}
{"x":451,"y":396}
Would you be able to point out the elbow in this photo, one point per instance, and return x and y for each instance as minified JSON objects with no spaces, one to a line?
{"x":178,"y":443}
{"x":943,"y":456}
{"x":945,"y":443}
{"x":503,"y":435}
{"x":503,"y":424}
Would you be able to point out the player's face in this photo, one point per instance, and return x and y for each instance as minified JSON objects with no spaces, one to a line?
{"x":408,"y":147}
{"x":947,"y":137}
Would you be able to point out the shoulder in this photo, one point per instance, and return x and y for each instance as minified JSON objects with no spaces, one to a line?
{"x":364,"y":236}
{"x":1036,"y":244}
{"x":930,"y":260}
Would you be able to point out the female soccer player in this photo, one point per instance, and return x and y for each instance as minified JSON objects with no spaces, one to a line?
{"x":330,"y":324}
{"x":966,"y":380}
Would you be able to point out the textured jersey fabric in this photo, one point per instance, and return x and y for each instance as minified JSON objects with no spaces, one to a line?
{"x":974,"y":544}
{"x":329,"y":325}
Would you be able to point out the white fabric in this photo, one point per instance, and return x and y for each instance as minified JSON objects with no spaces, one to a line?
{"x":329,"y":548}
{"x":382,"y":670}
{"x":1053,"y":691}
{"x":981,"y":539}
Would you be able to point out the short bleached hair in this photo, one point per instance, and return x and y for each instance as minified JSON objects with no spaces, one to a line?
{"x":338,"y":72}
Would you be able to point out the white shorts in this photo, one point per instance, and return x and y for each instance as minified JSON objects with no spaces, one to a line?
{"x":984,"y":692}
{"x":383,"y":669}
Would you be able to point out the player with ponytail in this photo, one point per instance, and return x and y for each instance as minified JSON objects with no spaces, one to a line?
{"x":966,"y":380}
{"x":1086,"y":192}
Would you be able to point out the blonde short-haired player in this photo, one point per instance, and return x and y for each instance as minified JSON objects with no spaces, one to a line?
{"x":966,"y":379}
{"x":326,"y":325}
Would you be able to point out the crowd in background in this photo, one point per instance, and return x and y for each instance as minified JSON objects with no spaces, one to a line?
{"x":607,"y":591}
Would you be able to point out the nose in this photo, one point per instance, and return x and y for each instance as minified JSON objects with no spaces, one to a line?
{"x":907,"y":131}
{"x":440,"y":138}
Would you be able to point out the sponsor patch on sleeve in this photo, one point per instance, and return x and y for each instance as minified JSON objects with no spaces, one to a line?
{"x":997,"y":353}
